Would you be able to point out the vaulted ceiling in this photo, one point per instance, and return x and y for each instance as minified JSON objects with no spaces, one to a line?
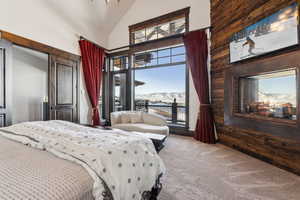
{"x":96,"y":13}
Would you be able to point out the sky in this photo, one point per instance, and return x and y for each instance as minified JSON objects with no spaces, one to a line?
{"x":280,"y":85}
{"x":163,"y":79}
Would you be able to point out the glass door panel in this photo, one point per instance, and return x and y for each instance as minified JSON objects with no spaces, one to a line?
{"x":119,"y":92}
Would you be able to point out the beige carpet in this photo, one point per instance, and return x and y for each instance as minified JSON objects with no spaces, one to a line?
{"x":198,"y":171}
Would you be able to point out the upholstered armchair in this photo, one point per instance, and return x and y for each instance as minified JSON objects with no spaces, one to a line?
{"x":139,"y":122}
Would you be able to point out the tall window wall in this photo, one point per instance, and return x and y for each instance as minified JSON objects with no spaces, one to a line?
{"x":151,"y":75}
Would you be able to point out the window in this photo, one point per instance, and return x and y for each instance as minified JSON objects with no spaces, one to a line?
{"x":150,"y":74}
{"x":165,"y":56}
{"x":160,"y":31}
{"x":160,"y":83}
{"x":160,"y":27}
{"x":119,"y":63}
{"x":270,"y":95}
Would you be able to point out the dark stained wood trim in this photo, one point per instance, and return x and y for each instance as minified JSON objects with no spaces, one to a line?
{"x":161,"y":19}
{"x":276,"y":127}
{"x":21,"y":41}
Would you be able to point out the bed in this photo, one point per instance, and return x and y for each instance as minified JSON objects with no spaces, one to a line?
{"x":58,"y":160}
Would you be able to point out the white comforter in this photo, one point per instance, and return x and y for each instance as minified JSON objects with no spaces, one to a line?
{"x":126,"y":162}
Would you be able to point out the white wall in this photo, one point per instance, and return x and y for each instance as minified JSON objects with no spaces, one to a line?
{"x":142,"y":10}
{"x":29,"y":84}
{"x":53,"y":22}
{"x":58,"y":23}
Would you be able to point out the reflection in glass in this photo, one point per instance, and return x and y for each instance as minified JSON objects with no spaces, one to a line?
{"x":172,"y":55}
{"x":119,"y":82}
{"x":119,"y":63}
{"x":164,"y":53}
{"x":163,"y":30}
{"x":270,"y":95}
{"x":140,"y":36}
{"x":151,"y":33}
{"x":162,"y":61}
{"x":178,"y":50}
{"x":180,"y":58}
{"x":178,"y":26}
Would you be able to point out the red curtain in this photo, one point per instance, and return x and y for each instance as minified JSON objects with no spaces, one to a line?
{"x":197,"y":54}
{"x":92,"y":61}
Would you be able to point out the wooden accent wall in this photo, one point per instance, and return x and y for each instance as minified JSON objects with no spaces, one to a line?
{"x":228,"y":17}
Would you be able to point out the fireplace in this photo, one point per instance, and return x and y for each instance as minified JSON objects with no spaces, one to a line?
{"x":262,"y":95}
{"x":271,"y":95}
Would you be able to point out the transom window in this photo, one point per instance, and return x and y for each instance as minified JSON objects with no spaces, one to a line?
{"x":160,"y":27}
{"x":160,"y":31}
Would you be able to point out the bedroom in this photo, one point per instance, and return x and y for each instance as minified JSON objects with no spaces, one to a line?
{"x":148,"y":69}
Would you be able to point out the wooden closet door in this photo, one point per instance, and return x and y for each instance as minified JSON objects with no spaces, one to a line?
{"x":5,"y":86}
{"x":63,"y":94}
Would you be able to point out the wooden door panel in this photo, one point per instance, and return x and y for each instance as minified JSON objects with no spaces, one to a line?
{"x":2,"y":120}
{"x":2,"y":79}
{"x":5,"y":83}
{"x":63,"y":96}
{"x":66,"y":115}
{"x":64,"y":84}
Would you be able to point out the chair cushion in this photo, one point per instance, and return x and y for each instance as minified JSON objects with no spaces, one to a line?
{"x":154,"y":119}
{"x":135,"y":117}
{"x":145,"y":128}
{"x":125,"y":118}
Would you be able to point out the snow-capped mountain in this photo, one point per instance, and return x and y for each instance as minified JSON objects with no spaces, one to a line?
{"x":167,"y":97}
{"x":274,"y":98}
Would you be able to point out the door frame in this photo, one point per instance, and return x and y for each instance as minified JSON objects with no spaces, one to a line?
{"x":51,"y":51}
{"x":112,"y":90}
{"x":5,"y":110}
{"x":53,"y":104}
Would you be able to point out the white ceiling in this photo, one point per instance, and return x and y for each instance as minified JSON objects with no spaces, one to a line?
{"x":95,"y":13}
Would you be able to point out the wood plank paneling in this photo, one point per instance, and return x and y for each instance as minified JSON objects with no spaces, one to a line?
{"x":228,"y":17}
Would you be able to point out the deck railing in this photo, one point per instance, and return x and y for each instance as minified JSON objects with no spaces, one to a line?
{"x":174,"y":113}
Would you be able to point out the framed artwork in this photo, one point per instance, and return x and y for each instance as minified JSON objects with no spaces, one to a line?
{"x":275,"y":32}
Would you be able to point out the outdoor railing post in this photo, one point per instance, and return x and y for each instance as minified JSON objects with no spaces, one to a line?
{"x":147,"y":105}
{"x":174,"y":112}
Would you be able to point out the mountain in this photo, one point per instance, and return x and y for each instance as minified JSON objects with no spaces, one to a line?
{"x":167,"y":97}
{"x":274,"y":98}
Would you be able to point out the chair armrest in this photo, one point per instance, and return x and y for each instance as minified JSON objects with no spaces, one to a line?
{"x":154,"y":119}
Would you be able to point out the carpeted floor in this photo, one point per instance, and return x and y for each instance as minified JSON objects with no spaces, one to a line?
{"x":198,"y":171}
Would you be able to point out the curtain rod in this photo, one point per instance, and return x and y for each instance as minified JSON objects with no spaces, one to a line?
{"x":143,"y":43}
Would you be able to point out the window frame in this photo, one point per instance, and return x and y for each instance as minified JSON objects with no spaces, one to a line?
{"x":174,"y":127}
{"x":165,"y":42}
{"x":151,"y":23}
